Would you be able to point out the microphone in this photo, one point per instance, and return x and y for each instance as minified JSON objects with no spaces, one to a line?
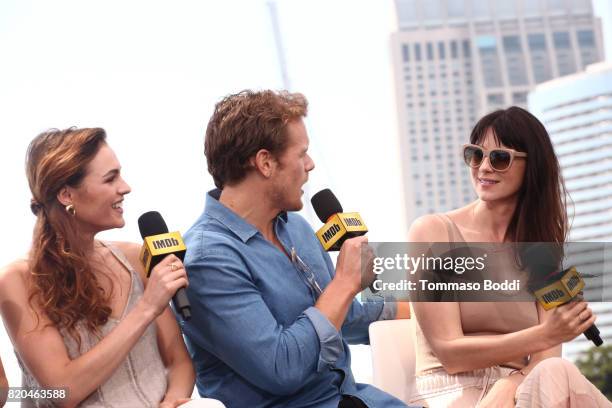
{"x":158,"y":244}
{"x":552,"y":287}
{"x":338,"y":225}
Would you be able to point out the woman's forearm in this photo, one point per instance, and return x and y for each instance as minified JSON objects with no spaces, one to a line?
{"x":474,"y":352}
{"x":181,"y":378}
{"x":84,"y":374}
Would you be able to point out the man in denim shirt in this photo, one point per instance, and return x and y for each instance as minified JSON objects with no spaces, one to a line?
{"x":272,"y":317}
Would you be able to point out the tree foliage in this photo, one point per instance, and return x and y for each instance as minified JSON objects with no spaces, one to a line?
{"x":596,"y":365}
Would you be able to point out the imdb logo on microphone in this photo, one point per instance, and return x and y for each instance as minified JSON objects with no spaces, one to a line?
{"x":340,"y":227}
{"x":156,"y":247}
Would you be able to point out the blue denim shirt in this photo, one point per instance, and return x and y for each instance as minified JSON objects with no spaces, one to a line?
{"x":255,"y":337}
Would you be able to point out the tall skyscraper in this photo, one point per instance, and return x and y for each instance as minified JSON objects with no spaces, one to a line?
{"x":577,"y":112}
{"x":456,"y":60}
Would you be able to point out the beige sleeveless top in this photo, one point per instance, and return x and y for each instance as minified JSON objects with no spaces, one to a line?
{"x":139,"y":381}
{"x":481,"y":317}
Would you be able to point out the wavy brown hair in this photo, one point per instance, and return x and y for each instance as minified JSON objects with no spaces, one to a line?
{"x":62,"y":282}
{"x":244,"y":123}
{"x":541,"y":211}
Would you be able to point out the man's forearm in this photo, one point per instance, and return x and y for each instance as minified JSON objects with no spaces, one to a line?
{"x":335,"y":302}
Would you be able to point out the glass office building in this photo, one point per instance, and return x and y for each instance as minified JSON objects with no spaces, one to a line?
{"x":577,"y":112}
{"x":456,"y":60}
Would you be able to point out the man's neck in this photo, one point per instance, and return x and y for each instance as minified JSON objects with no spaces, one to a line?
{"x":253,"y":206}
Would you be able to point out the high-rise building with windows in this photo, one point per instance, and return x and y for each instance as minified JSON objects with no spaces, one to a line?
{"x":577,"y":112}
{"x":456,"y":60}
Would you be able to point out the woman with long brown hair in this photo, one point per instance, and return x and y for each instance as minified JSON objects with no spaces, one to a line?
{"x":81,"y":313}
{"x":502,"y":354}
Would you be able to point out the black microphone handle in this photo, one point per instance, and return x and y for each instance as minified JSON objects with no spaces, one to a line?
{"x":181,"y":303}
{"x":592,"y":333}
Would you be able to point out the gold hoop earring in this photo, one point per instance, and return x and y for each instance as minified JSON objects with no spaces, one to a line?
{"x":70,"y":209}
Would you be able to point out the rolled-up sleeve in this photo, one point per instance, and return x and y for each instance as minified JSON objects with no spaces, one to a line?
{"x":389,"y":311}
{"x":361,"y":315}
{"x":330,"y":341}
{"x":231,"y":320}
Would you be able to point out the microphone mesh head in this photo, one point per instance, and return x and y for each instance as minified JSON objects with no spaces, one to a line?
{"x":544,"y":262}
{"x":325,"y":204}
{"x":151,"y":223}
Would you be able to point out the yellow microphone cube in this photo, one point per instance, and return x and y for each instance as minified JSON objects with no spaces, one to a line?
{"x":157,"y":247}
{"x":340,"y":227}
{"x":561,"y":291}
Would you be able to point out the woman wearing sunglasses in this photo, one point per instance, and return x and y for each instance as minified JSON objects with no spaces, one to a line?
{"x":502,"y":354}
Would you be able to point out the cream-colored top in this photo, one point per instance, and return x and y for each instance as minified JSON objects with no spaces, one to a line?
{"x":482,"y":317}
{"x":139,"y":381}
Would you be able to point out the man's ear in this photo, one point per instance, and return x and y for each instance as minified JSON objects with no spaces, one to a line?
{"x":64,"y":196}
{"x":263,"y":162}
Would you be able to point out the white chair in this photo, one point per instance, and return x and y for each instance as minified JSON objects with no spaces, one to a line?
{"x":393,"y":357}
{"x":203,"y":403}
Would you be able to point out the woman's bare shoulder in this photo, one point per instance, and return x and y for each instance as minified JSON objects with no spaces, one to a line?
{"x":13,"y":279}
{"x":131,"y":250}
{"x":16,"y":270}
{"x":427,"y":228}
{"x":461,"y":215}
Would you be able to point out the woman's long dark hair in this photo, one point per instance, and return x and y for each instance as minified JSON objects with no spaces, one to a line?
{"x":541,"y":213}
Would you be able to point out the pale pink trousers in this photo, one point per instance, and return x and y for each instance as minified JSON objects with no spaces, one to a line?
{"x":553,"y":383}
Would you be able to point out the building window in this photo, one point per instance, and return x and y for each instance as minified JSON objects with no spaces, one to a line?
{"x":487,"y":47}
{"x":441,"y":51}
{"x":539,"y":57}
{"x":519,"y":98}
{"x":429,"y":51}
{"x":466,"y":49}
{"x":453,"y":49}
{"x":537,"y":42}
{"x":417,"y":52}
{"x":405,"y":52}
{"x":515,"y":63}
{"x":561,"y":40}
{"x":565,"y":56}
{"x":512,"y":43}
{"x":588,"y":50}
{"x":495,"y":99}
{"x":586,"y":38}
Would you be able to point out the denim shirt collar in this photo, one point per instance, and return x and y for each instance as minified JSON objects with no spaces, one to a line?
{"x":230,"y":219}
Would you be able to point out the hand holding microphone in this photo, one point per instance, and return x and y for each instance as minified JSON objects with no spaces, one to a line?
{"x":567,"y":321}
{"x":165,"y":250}
{"x":349,"y":265}
{"x":165,"y":279}
{"x":560,"y":290}
{"x":344,"y":232}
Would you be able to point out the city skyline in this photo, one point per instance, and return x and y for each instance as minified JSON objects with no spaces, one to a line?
{"x":457,"y":60}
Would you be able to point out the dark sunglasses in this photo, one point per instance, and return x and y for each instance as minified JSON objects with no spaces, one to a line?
{"x":501,"y":159}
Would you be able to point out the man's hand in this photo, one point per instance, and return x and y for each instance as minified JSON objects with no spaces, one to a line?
{"x":403,"y":310}
{"x":348,"y":266}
